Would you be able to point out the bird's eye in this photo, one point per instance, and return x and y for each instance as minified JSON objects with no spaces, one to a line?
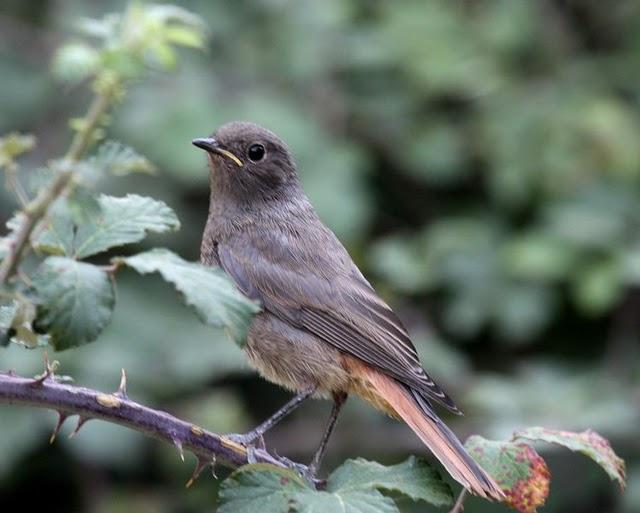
{"x":256,"y":152}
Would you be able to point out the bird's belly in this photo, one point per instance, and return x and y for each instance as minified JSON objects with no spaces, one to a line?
{"x":293,"y":358}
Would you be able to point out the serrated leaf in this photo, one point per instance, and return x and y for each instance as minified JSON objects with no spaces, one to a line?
{"x":347,"y":501}
{"x":116,"y":222}
{"x":518,"y":469}
{"x":115,"y":158}
{"x":355,"y":487}
{"x":414,"y":478}
{"x":123,"y":221}
{"x":259,"y":487}
{"x":57,"y":232}
{"x":208,"y":290}
{"x":76,"y":301}
{"x":587,"y":442}
{"x":270,"y":489}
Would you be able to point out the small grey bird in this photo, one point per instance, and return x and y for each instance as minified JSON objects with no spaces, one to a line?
{"x":324,"y":331}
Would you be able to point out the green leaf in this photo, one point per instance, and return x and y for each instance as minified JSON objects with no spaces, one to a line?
{"x":414,"y":478}
{"x":123,"y":221}
{"x":13,"y":145}
{"x":587,"y":442}
{"x":4,"y":247}
{"x":57,"y":233}
{"x":597,"y":286}
{"x":208,"y":290}
{"x":7,"y":314}
{"x":116,"y":222}
{"x":74,"y":62}
{"x":259,"y":487}
{"x":76,"y":301}
{"x":13,"y":225}
{"x":537,"y":257}
{"x":354,"y":487}
{"x":16,"y":325}
{"x":348,"y":501}
{"x":184,"y":36}
{"x":115,"y":158}
{"x":518,"y":469}
{"x":270,"y":489}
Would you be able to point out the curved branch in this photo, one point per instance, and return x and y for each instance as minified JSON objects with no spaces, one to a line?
{"x":46,"y":392}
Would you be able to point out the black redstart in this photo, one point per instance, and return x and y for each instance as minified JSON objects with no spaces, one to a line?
{"x":323,"y":331}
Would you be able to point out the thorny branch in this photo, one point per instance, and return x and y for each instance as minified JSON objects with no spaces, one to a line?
{"x":38,"y":207}
{"x":46,"y":391}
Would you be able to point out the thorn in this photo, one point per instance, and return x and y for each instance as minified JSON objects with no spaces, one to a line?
{"x":122,"y":388}
{"x":81,"y":422}
{"x":200,"y":466}
{"x":178,"y":445}
{"x":61,"y":418}
{"x":213,"y":467}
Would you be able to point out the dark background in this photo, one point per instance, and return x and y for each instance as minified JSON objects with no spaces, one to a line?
{"x":479,"y":159}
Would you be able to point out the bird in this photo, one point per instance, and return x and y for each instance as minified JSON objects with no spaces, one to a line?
{"x":323,"y":330}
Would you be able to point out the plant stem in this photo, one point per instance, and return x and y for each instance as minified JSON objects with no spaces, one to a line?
{"x":458,"y":507}
{"x":37,"y":209}
{"x":117,"y":408}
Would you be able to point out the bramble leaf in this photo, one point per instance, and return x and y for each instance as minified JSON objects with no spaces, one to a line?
{"x":414,"y":478}
{"x":208,"y":290}
{"x":76,"y":301}
{"x":517,"y":468}
{"x":115,"y":158}
{"x":116,"y":222}
{"x":259,"y":487}
{"x":587,"y":442}
{"x":355,"y":487}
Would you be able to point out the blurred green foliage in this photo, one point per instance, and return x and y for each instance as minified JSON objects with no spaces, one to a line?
{"x":481,"y":161}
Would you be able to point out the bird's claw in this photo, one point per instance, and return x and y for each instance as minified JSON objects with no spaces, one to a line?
{"x":306,"y":472}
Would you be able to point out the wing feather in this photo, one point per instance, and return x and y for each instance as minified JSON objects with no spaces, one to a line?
{"x":342,"y":309}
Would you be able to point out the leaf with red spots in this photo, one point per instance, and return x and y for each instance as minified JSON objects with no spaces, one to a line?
{"x":587,"y":442}
{"x":518,"y":469}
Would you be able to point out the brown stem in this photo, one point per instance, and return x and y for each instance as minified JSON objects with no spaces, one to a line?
{"x":38,"y":208}
{"x":458,"y":507}
{"x":117,"y":408}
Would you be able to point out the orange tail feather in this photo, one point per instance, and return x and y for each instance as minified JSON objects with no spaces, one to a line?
{"x":435,"y":435}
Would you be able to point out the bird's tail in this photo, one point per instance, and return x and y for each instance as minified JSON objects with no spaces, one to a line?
{"x":436,"y":436}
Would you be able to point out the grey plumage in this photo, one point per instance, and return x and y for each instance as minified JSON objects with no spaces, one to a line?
{"x":323,"y":325}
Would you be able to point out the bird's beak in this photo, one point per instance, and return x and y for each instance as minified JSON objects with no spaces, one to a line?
{"x":212,"y":146}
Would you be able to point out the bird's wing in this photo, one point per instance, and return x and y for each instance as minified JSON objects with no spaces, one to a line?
{"x":336,"y":304}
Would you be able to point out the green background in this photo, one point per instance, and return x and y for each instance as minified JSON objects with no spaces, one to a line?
{"x":479,"y":159}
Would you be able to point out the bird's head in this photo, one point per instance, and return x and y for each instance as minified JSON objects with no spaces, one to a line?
{"x":248,"y":160}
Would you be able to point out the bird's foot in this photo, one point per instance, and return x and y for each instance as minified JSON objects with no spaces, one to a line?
{"x":306,"y":472}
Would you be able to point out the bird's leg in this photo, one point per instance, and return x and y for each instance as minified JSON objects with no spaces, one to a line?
{"x":338,"y":402}
{"x":256,"y":433}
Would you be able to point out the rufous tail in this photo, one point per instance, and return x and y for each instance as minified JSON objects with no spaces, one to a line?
{"x":436,"y":436}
